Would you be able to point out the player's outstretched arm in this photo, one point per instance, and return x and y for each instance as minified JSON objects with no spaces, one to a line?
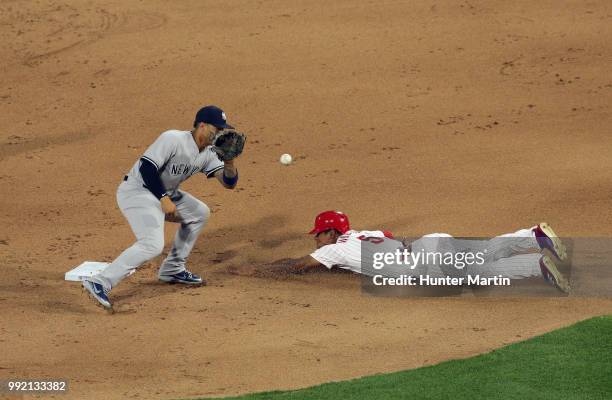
{"x":276,"y":269}
{"x":294,"y":265}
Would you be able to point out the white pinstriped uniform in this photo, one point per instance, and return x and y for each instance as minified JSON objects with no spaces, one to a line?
{"x":514,"y":255}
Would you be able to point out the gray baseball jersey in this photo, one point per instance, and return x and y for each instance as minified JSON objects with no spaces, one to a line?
{"x":177,"y":157}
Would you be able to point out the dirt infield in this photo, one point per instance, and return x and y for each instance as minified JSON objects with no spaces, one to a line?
{"x":472,"y":118}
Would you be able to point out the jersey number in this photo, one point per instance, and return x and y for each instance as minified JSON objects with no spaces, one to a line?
{"x":371,"y":239}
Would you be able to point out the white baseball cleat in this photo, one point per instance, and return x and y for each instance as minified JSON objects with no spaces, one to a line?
{"x":552,"y":275}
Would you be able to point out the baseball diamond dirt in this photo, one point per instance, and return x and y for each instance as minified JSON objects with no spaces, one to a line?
{"x":473,"y":118}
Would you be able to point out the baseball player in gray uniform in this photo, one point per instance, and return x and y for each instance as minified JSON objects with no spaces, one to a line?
{"x":150,"y":194}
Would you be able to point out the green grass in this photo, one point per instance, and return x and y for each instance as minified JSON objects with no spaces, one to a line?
{"x":570,"y":363}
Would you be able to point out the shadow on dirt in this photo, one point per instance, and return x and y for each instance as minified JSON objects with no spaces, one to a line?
{"x":267,"y":235}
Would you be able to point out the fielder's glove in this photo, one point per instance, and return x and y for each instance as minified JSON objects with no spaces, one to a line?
{"x":228,"y":144}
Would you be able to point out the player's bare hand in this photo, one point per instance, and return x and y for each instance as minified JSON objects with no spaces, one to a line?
{"x":270,"y":271}
{"x":243,"y":270}
{"x":168,"y":206}
{"x":266,"y":271}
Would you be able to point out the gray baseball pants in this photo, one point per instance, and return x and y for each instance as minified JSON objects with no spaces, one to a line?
{"x":146,"y":218}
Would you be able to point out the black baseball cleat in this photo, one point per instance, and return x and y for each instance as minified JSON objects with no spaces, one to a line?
{"x":184,"y":277}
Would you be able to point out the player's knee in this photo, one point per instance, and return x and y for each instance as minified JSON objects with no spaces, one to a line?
{"x":152,"y":246}
{"x":202,"y":213}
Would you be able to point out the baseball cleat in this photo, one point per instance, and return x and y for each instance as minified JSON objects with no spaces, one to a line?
{"x":548,"y":239}
{"x":98,"y":293}
{"x":185,"y":277}
{"x":552,"y":275}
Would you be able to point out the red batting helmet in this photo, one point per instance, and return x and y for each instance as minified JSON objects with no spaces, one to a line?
{"x":331,"y":220}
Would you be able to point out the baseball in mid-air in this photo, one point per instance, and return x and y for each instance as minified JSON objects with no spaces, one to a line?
{"x":286,"y":159}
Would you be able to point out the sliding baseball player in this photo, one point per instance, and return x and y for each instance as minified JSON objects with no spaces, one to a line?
{"x":516,"y":255}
